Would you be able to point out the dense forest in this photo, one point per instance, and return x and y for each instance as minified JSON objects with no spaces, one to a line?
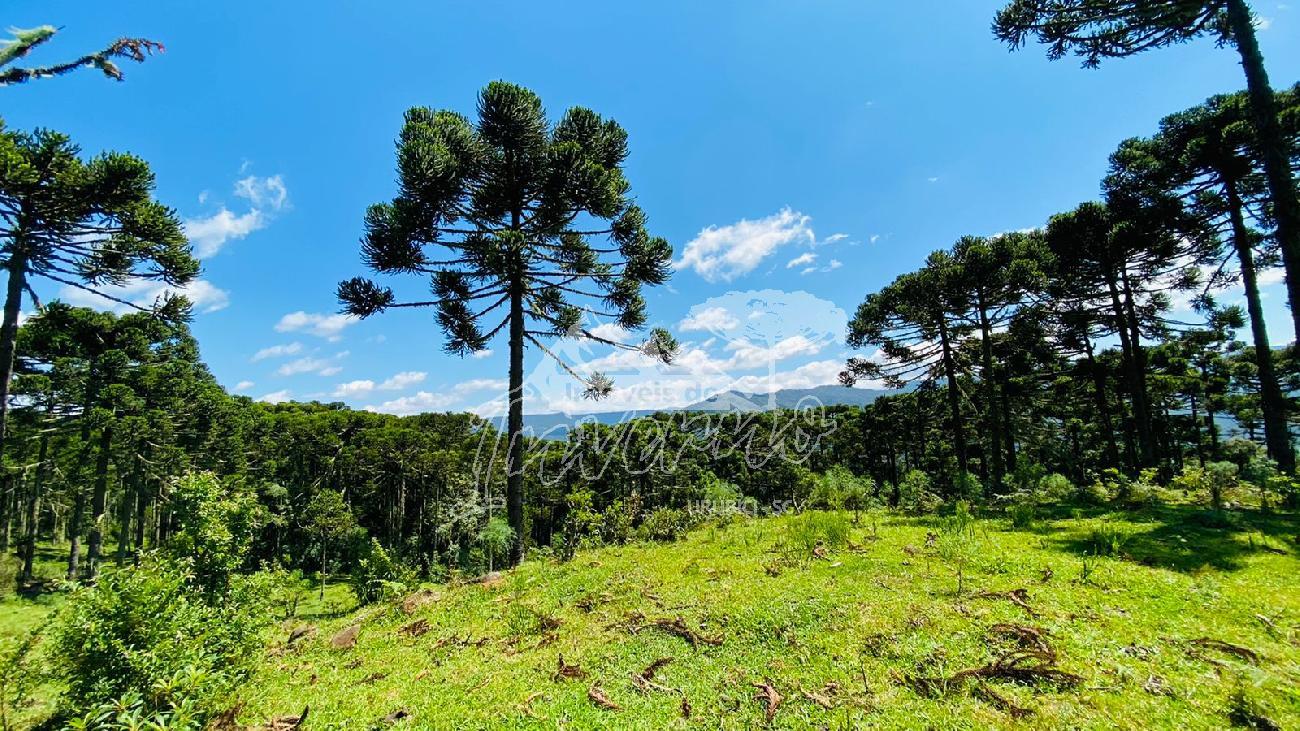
{"x":1097,"y":360}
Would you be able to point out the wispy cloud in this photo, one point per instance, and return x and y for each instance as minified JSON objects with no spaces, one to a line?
{"x":723,"y":253}
{"x":802,"y":260}
{"x":320,"y":366}
{"x":243,"y":386}
{"x":278,"y":351}
{"x":266,"y":197}
{"x":144,"y":293}
{"x":709,"y":319}
{"x":329,"y":327}
{"x":277,"y":397}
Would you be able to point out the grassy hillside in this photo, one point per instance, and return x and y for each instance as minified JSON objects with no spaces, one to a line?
{"x":754,"y":624}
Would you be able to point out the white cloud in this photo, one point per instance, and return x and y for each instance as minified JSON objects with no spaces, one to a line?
{"x":263,"y":192}
{"x":277,"y":397}
{"x":278,"y":351}
{"x":712,"y":319}
{"x":610,"y":331}
{"x":144,"y":293}
{"x":320,"y":325}
{"x":831,"y":266}
{"x":319,"y":366}
{"x":802,"y":260}
{"x":810,"y":375}
{"x":748,"y":355}
{"x":243,"y":386}
{"x":424,"y":401}
{"x":209,"y":234}
{"x":403,"y":380}
{"x":1272,"y":276}
{"x":932,"y":180}
{"x":353,"y":388}
{"x":726,"y":252}
{"x":833,"y":238}
{"x":481,"y":354}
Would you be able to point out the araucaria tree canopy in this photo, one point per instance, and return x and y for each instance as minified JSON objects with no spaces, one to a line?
{"x":521,"y":226}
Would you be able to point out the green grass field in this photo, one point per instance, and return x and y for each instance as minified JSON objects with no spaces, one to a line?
{"x":871,"y":634}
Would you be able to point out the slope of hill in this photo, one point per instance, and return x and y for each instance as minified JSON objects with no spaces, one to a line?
{"x":752,"y":624}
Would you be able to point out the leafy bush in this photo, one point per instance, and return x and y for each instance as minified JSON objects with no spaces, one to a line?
{"x":216,"y":524}
{"x":1055,"y":488}
{"x":149,"y":627}
{"x":1027,"y":477}
{"x":966,"y":486}
{"x":618,"y":522}
{"x":1209,"y":482}
{"x":915,"y":494}
{"x":377,"y":576}
{"x":666,"y":524}
{"x":1022,"y":513}
{"x":581,"y":523}
{"x":495,"y":539}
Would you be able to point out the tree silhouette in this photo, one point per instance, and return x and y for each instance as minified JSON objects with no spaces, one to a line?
{"x":515,"y":202}
{"x":1097,"y":29}
{"x":23,"y":41}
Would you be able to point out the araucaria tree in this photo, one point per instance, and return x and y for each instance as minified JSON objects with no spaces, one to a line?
{"x":1097,"y":29}
{"x":91,"y":225}
{"x":24,"y":40}
{"x":523,"y":227}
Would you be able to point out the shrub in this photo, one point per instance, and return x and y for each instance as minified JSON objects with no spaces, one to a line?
{"x":665,"y":524}
{"x":618,"y":521}
{"x":149,"y":627}
{"x":495,"y":539}
{"x":216,"y":524}
{"x":1208,"y":482}
{"x":966,"y":486}
{"x":1219,"y":477}
{"x":1022,"y":513}
{"x":377,"y":576}
{"x":1027,"y":476}
{"x":915,"y":494}
{"x":1055,"y":488}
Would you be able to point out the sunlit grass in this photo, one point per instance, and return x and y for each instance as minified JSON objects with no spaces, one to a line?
{"x":849,"y":628}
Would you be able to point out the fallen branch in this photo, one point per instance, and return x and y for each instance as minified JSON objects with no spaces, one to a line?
{"x":1018,"y":597}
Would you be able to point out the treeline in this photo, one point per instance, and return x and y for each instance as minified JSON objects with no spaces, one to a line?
{"x":111,"y":411}
{"x":1061,"y":347}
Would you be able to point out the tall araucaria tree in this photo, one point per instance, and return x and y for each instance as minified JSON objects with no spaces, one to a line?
{"x":24,"y":40}
{"x":1097,"y":29}
{"x":914,"y":324}
{"x":90,"y":225}
{"x":1208,"y":156}
{"x":522,"y":226}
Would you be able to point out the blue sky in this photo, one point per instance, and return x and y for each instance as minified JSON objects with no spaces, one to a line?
{"x":798,"y":154}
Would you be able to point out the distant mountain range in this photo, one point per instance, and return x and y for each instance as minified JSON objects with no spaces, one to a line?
{"x":556,"y":426}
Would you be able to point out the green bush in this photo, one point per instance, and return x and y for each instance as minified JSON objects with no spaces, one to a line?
{"x":149,"y":627}
{"x":215,"y":527}
{"x":915,"y":494}
{"x":665,"y":524}
{"x":1022,"y":513}
{"x":377,"y":577}
{"x":1055,"y":488}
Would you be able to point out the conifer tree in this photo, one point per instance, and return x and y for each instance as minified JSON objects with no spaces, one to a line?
{"x":517,"y":208}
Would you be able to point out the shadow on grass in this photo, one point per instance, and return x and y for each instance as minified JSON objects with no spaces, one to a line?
{"x":1188,"y":538}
